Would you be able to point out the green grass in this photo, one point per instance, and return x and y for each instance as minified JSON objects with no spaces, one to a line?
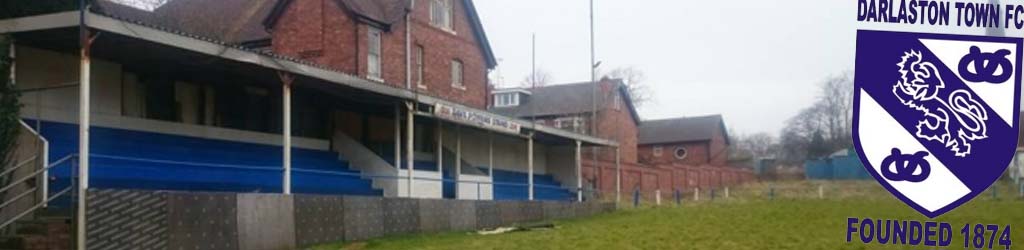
{"x":739,"y":223}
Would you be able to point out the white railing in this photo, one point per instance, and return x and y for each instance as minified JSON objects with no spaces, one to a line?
{"x":29,"y":164}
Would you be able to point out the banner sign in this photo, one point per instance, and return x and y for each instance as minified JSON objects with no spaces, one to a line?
{"x":475,"y":118}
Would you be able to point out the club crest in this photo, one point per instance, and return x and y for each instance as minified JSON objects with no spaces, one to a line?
{"x":936,"y":116}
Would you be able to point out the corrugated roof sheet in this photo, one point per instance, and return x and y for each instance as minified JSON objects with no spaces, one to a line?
{"x":229,"y":21}
{"x":686,"y":129}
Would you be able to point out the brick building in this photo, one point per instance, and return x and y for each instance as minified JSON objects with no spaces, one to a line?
{"x":656,"y":155}
{"x":569,"y":107}
{"x":688,"y":141}
{"x":444,"y":40}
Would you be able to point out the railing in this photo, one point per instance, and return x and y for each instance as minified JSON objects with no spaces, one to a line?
{"x":20,"y":180}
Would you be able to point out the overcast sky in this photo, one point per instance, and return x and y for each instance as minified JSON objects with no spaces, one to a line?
{"x":755,"y":62}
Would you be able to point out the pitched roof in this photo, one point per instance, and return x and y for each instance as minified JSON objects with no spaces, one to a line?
{"x":685,"y":129}
{"x":228,"y":21}
{"x":564,"y":99}
{"x":389,"y":12}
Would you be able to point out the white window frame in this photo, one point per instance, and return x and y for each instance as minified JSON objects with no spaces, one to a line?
{"x":373,"y":53}
{"x":442,"y":14}
{"x":658,"y":151}
{"x":506,"y":100}
{"x":458,"y":74}
{"x":419,"y":67}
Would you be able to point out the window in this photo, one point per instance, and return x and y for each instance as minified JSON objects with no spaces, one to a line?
{"x":657,"y":150}
{"x":373,"y":53}
{"x":441,"y":14}
{"x":457,"y":75}
{"x":506,"y":100}
{"x":680,"y":153}
{"x":419,"y":67}
{"x":574,"y":124}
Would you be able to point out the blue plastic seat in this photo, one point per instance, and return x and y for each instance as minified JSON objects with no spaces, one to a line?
{"x":126,"y":159}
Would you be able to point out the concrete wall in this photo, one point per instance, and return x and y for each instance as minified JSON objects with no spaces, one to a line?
{"x":561,"y":162}
{"x":509,"y":152}
{"x":474,"y":187}
{"x":123,"y":219}
{"x":39,"y":68}
{"x":426,"y":184}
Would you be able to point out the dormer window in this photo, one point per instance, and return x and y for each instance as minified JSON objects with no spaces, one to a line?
{"x":506,"y":100}
{"x":441,"y":14}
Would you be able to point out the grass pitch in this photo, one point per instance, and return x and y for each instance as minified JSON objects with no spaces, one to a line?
{"x":794,"y":218}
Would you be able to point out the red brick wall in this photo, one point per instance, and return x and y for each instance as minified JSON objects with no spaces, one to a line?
{"x":323,"y":32}
{"x":664,"y":178}
{"x":440,"y":47}
{"x":617,"y":125}
{"x":319,"y":31}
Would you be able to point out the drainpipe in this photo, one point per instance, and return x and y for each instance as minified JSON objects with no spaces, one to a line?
{"x":408,"y":45}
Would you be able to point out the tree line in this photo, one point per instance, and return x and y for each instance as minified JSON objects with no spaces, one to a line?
{"x":815,"y":132}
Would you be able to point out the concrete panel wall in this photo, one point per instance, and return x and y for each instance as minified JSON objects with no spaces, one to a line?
{"x":202,"y":221}
{"x":266,"y":221}
{"x":124,"y":219}
{"x":319,"y":219}
{"x":179,"y":220}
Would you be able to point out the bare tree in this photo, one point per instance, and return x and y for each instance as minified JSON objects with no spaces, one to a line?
{"x":538,"y":79}
{"x":635,"y":81}
{"x":753,"y":146}
{"x":825,"y":126}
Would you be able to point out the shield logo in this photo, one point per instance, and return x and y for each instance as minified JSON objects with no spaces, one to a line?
{"x":935,"y":117}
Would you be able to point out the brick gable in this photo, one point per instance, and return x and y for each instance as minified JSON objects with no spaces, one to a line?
{"x":325,"y":32}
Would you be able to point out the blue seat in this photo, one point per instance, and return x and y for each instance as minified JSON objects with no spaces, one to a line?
{"x":127,"y":159}
{"x":509,"y":185}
